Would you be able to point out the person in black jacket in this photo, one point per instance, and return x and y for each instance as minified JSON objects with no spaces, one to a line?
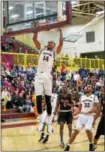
{"x":101,"y":126}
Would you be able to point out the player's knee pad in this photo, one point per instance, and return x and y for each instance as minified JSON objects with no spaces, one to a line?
{"x":48,"y":103}
{"x":39,"y":104}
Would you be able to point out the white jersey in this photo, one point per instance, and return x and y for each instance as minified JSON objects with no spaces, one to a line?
{"x":88,"y":102}
{"x":45,"y":62}
{"x":54,"y":98}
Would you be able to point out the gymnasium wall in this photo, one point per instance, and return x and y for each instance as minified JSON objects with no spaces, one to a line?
{"x":81,"y":45}
{"x":71,"y":48}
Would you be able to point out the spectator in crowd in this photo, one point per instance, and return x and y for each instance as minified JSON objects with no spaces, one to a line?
{"x":5,"y":96}
{"x":10,"y":41}
{"x":82,"y":72}
{"x":20,"y":50}
{"x":76,"y":77}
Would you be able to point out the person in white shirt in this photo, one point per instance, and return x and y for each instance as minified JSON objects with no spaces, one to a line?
{"x":68,"y":75}
{"x":43,"y":78}
{"x":58,"y":82}
{"x":88,"y":105}
{"x":76,"y":77}
{"x":5,"y":96}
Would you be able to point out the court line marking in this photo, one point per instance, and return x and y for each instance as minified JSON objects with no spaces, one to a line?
{"x":58,"y":146}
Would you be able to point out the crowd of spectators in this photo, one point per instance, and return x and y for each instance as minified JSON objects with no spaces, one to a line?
{"x":17,"y":84}
{"x":7,"y":44}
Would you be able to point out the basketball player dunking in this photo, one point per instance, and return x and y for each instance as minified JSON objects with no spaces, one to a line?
{"x":88,"y":106}
{"x":43,"y":78}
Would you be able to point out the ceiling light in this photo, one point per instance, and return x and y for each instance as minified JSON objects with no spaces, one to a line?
{"x":29,"y":12}
{"x":74,"y":2}
{"x":15,"y":16}
{"x":11,"y":7}
{"x":100,"y":12}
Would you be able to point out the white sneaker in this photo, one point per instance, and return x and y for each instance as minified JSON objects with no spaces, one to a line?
{"x":50,"y":129}
{"x":41,"y":125}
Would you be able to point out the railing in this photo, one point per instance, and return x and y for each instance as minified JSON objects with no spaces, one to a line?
{"x":69,"y":62}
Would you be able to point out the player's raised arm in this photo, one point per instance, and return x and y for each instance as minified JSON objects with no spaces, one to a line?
{"x":36,"y":42}
{"x":59,"y":47}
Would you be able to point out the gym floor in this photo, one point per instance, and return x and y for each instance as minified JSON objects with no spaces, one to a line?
{"x":17,"y":137}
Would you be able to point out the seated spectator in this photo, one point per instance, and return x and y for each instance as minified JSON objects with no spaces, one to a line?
{"x":58,"y":82}
{"x":76,"y":77}
{"x":20,"y":50}
{"x":10,"y":41}
{"x":20,"y":103}
{"x":5,"y":96}
{"x":28,"y":104}
{"x":68,"y":76}
{"x":100,"y":73}
{"x":29,"y":68}
{"x":82,"y":72}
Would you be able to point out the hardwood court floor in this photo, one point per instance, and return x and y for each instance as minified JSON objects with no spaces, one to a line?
{"x":26,"y":139}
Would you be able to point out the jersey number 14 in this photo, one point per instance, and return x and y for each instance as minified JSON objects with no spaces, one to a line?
{"x":46,"y":58}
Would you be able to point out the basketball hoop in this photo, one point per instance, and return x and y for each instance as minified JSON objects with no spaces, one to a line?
{"x":73,"y":37}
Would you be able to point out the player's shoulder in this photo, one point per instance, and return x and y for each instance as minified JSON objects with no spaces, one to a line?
{"x":83,"y":96}
{"x":93,"y":96}
{"x":42,"y":50}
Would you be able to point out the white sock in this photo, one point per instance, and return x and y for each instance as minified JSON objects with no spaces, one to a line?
{"x":49,"y":120}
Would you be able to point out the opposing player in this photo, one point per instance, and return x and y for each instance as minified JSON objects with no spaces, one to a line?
{"x":101,"y":126}
{"x":64,"y":105}
{"x":43,"y":78}
{"x":88,"y":106}
{"x":45,"y":136}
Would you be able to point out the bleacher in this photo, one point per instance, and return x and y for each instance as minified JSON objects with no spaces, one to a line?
{"x":17,"y":44}
{"x":12,"y":115}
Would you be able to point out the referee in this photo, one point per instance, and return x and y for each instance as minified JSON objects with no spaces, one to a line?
{"x":101,"y":126}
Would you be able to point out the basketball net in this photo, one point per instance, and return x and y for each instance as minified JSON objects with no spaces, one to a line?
{"x":73,"y":37}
